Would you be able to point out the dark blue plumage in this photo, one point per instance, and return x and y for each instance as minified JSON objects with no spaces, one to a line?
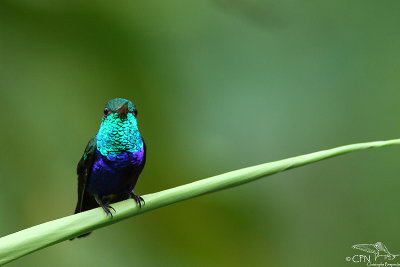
{"x":110,"y":175}
{"x":113,"y":159}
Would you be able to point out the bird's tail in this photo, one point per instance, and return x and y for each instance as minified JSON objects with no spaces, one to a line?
{"x":87,"y":203}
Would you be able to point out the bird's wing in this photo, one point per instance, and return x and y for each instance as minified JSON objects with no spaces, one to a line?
{"x":83,"y":170}
{"x":370,"y":248}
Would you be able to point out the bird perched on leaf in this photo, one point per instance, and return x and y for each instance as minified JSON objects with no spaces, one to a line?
{"x":112,"y":161}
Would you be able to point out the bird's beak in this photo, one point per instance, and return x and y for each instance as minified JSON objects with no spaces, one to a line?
{"x":123,"y":110}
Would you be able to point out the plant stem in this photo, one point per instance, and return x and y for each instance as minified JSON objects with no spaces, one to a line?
{"x":21,"y":243}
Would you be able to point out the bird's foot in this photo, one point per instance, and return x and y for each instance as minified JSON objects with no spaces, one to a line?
{"x":137,"y":198}
{"x":107,"y":208}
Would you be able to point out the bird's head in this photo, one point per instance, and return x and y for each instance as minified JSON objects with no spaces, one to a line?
{"x":119,"y":130}
{"x":119,"y":108}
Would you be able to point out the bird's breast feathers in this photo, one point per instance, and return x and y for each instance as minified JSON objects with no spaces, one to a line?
{"x":117,"y":136}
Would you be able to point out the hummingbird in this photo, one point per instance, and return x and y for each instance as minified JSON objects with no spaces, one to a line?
{"x":378,"y":249}
{"x":112,"y":161}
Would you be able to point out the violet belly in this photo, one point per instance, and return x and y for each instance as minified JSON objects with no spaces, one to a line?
{"x":114,"y":174}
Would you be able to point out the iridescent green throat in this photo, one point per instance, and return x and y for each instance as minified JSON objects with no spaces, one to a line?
{"x":118,"y":134}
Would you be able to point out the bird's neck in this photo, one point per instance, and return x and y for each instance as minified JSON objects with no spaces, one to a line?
{"x":118,"y":136}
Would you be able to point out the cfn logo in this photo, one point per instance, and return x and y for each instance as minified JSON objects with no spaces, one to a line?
{"x":361,"y":258}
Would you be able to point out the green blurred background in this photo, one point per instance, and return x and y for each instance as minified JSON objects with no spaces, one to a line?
{"x":219,"y":85}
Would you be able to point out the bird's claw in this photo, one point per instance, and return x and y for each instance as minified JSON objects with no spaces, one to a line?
{"x":107,"y":208}
{"x":138,"y":199}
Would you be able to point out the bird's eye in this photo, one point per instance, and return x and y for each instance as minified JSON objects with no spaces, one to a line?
{"x":134,"y":112}
{"x":107,"y":111}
